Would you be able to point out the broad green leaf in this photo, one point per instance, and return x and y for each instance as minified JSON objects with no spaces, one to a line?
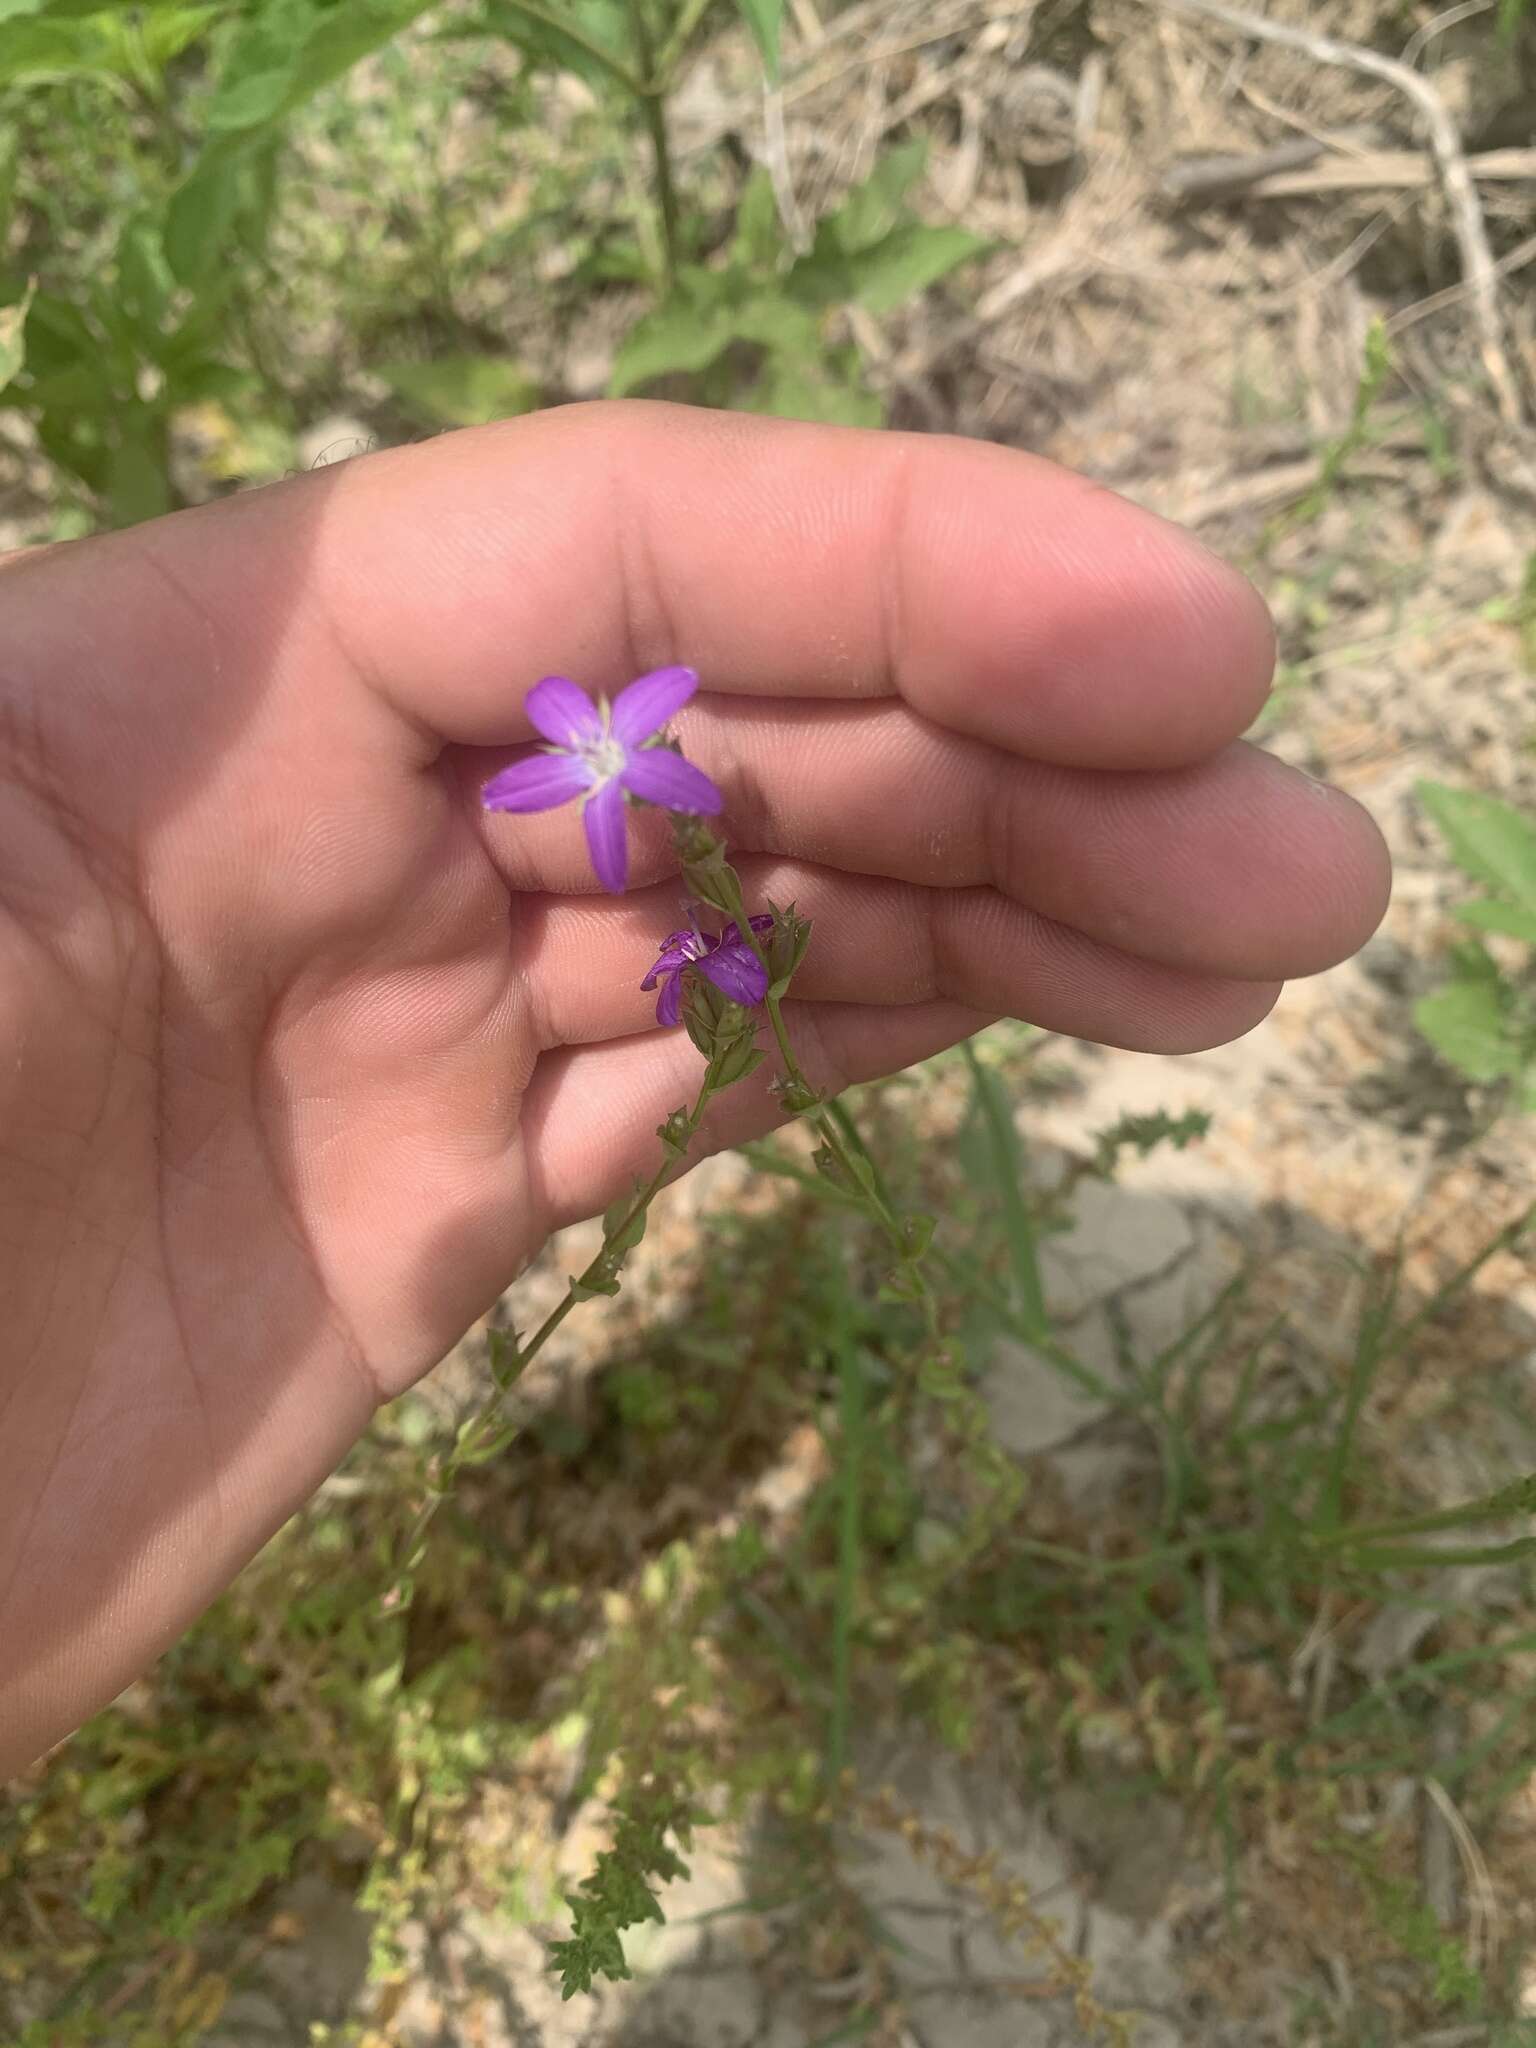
{"x":10,"y":157}
{"x":58,"y":336}
{"x":706,"y":314}
{"x":797,"y":392}
{"x":167,"y":31}
{"x":291,"y":49}
{"x":72,"y":438}
{"x":765,"y":19}
{"x":144,"y":280}
{"x":34,"y":50}
{"x":758,"y":239}
{"x":679,"y":335}
{"x":144,"y":11}
{"x":777,"y":324}
{"x":202,"y":212}
{"x":599,"y":31}
{"x":13,"y":336}
{"x":869,"y":212}
{"x":462,"y":391}
{"x":137,"y":486}
{"x":1468,"y":1022}
{"x":1490,"y":916}
{"x":1488,"y":839}
{"x":908,"y":261}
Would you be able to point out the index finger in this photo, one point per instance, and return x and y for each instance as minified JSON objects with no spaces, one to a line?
{"x":997,"y":594}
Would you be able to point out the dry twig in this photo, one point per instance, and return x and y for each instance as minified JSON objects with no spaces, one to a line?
{"x":1291,"y":171}
{"x":1467,"y":223}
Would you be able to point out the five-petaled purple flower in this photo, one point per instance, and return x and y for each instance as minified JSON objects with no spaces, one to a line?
{"x":598,"y":752}
{"x":728,"y":961}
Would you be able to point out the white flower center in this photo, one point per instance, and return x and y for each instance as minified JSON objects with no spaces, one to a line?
{"x":605,"y":755}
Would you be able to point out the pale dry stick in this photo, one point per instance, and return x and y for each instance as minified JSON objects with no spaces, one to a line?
{"x":946,"y":78}
{"x":813,"y":29}
{"x":1088,"y":100}
{"x":1337,"y":268}
{"x":1511,"y":261}
{"x":1421,"y":38}
{"x":1467,"y":224}
{"x":1483,"y":1916}
{"x":780,"y":175}
{"x":1398,"y":169}
{"x":1335,"y":139}
{"x":936,"y":31}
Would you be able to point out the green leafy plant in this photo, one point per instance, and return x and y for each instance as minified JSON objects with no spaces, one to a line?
{"x":144,"y":301}
{"x":753,"y":329}
{"x":1483,"y":1020}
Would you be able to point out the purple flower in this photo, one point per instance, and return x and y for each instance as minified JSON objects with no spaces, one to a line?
{"x":598,"y":752}
{"x":729,"y":962}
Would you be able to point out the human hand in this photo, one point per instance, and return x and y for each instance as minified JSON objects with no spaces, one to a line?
{"x":303,"y":1054}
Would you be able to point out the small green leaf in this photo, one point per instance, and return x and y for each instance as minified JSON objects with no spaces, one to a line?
{"x":137,"y":484}
{"x":679,"y":335}
{"x":598,"y":29}
{"x":167,"y":31}
{"x":202,"y":212}
{"x":285,"y":52}
{"x":802,"y":391}
{"x":35,"y":51}
{"x":462,"y":391}
{"x":13,"y":336}
{"x":908,"y":261}
{"x":869,"y":212}
{"x":765,"y":19}
{"x":758,"y":240}
{"x":1490,"y":916}
{"x":1488,"y":839}
{"x":1468,"y":1022}
{"x":144,"y":280}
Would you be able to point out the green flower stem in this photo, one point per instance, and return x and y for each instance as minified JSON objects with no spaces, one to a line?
{"x":675,"y":47}
{"x":840,"y":1135}
{"x":476,"y":1437}
{"x":653,"y":110}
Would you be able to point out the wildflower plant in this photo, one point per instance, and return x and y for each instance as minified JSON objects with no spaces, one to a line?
{"x":726,"y":986}
{"x":724,"y":978}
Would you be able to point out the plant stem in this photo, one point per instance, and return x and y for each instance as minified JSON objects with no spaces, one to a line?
{"x":473,"y":1433}
{"x":675,"y":48}
{"x":850,"y":1408}
{"x":653,"y":109}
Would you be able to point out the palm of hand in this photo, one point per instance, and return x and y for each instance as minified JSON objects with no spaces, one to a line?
{"x":307,"y":1055}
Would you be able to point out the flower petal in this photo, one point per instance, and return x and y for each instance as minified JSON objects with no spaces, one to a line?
{"x":647,"y":703}
{"x":603,"y":816}
{"x":537,"y":784}
{"x":737,"y":973}
{"x":669,"y":1003}
{"x":563,"y":711}
{"x":676,"y":953}
{"x":665,"y":778}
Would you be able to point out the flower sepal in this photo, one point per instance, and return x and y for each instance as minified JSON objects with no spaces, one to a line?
{"x":797,"y":1098}
{"x":676,"y":1133}
{"x":736,"y":1063}
{"x":711,"y":1019}
{"x":707,"y":873}
{"x":622,"y":1231}
{"x":786,"y":948}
